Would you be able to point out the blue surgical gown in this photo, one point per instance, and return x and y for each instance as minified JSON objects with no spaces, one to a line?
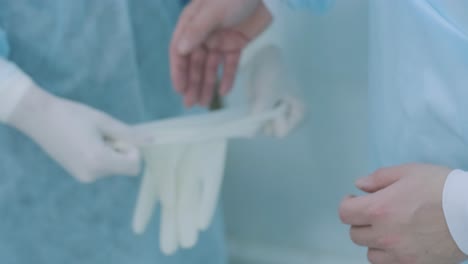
{"x":110,"y":55}
{"x":418,"y":80}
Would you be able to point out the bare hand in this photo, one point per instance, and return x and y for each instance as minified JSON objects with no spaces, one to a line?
{"x":401,"y":219}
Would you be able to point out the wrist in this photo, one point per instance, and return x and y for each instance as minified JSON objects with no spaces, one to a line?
{"x":258,"y":22}
{"x":14,"y":84}
{"x":31,"y":109}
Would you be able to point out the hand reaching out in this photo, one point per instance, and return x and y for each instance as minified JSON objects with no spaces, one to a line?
{"x":212,"y":34}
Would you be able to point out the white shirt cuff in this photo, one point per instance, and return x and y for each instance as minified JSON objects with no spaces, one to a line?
{"x":455,"y":206}
{"x":13,"y":85}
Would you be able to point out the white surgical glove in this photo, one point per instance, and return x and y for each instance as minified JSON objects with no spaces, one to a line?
{"x":81,"y":139}
{"x":186,"y":184}
{"x":269,"y":84}
{"x":185,"y":157}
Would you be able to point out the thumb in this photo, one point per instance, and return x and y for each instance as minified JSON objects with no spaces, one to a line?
{"x":196,"y":25}
{"x":115,"y":162}
{"x":120,"y":135}
{"x":119,"y":153}
{"x":380,"y":179}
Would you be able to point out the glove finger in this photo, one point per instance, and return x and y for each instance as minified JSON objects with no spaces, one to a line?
{"x":147,"y":196}
{"x":168,"y":172}
{"x":119,"y":133}
{"x":113,"y":162}
{"x":213,"y":176}
{"x":188,"y":190}
{"x":168,"y":231}
{"x":167,"y":169}
{"x":266,"y":79}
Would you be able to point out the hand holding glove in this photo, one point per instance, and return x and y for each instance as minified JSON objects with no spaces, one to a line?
{"x":81,"y":139}
{"x":185,"y":156}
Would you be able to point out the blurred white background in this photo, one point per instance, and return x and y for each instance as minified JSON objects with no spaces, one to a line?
{"x":281,"y":197}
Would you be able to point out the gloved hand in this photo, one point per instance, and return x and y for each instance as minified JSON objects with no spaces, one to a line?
{"x":178,"y":174}
{"x":81,"y":139}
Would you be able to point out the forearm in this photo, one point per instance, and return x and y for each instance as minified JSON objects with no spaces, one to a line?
{"x":257,"y":23}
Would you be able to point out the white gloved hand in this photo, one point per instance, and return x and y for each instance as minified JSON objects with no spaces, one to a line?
{"x":185,"y":157}
{"x":81,"y":139}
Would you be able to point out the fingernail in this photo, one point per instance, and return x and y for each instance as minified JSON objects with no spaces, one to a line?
{"x":184,"y":46}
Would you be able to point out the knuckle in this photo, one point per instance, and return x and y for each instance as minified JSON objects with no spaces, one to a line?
{"x":377,"y":213}
{"x":408,"y":259}
{"x":387,"y":241}
{"x":380,"y":174}
{"x":195,"y":79}
{"x":195,"y":28}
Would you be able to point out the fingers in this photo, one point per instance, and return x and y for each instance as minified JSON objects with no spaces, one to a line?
{"x":231,"y":62}
{"x":189,"y":194}
{"x":196,"y":73}
{"x":179,"y":70}
{"x":168,"y":231}
{"x":113,"y":162}
{"x":180,"y":62}
{"x":354,"y":210}
{"x":381,"y":178}
{"x":119,"y":134}
{"x":168,"y":171}
{"x":231,"y":56}
{"x":213,"y":176}
{"x":211,"y":75}
{"x":364,"y":236}
{"x":147,"y":198}
{"x":185,"y":19}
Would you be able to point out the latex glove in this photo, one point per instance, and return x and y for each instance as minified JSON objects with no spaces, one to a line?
{"x":269,"y":84}
{"x":187,"y":186}
{"x":81,"y":139}
{"x":210,"y":34}
{"x":401,"y":219}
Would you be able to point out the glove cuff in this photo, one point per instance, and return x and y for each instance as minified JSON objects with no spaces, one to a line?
{"x":13,"y":86}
